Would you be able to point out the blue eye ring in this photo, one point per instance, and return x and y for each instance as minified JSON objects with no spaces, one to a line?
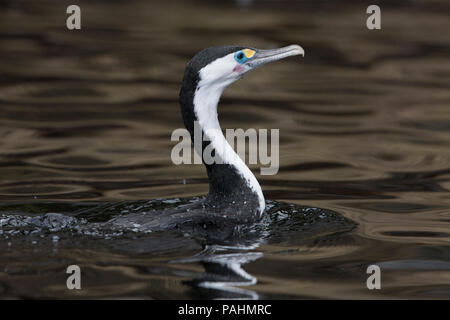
{"x":240,"y":57}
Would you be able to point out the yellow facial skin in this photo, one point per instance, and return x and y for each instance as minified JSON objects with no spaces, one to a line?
{"x":249,"y":53}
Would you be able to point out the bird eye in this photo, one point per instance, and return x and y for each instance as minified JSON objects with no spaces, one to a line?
{"x":240,"y":57}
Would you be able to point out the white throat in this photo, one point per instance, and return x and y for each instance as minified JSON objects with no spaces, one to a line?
{"x":206,"y":99}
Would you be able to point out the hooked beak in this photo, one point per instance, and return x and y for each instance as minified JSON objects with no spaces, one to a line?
{"x":265,"y":56}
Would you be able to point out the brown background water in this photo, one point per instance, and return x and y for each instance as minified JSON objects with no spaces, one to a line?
{"x":364,"y":124}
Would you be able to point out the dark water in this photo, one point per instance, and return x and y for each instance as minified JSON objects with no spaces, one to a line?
{"x":86,"y":118}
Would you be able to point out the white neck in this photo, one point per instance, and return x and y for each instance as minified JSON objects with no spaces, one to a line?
{"x":206,"y":99}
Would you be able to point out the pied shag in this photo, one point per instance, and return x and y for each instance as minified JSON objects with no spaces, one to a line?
{"x":235,"y":195}
{"x":232,"y":211}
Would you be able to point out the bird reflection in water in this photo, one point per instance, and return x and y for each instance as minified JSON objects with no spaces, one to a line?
{"x":224,"y":275}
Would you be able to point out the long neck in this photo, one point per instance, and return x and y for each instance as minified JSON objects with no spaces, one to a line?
{"x":229,"y":177}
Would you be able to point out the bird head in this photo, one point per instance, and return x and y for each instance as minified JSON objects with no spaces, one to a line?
{"x":221,"y":66}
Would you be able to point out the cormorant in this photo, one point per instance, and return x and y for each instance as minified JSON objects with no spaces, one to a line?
{"x":232,"y":211}
{"x":235,"y":195}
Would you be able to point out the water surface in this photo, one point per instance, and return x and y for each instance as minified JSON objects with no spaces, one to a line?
{"x":86,"y":118}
